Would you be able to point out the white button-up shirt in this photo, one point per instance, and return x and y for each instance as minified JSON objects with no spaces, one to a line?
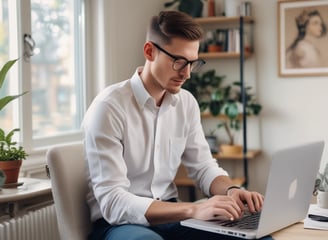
{"x":134,"y":148}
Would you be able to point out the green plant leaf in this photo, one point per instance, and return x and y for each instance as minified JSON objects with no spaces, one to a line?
{"x":191,"y":7}
{"x":5,"y":100}
{"x":169,"y":4}
{"x":5,"y":69}
{"x":256,"y":108}
{"x":2,"y":134}
{"x":8,"y":149}
{"x":217,"y":95}
{"x":231,"y":110}
{"x":203,"y":106}
{"x":215,"y":107}
{"x":9,"y":136}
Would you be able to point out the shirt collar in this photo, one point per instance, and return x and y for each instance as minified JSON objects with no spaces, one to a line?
{"x":142,"y":95}
{"x":138,"y":88}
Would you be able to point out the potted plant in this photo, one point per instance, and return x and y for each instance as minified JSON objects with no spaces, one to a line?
{"x":208,"y":91}
{"x":192,"y":7}
{"x":232,"y":109}
{"x":224,"y":100}
{"x":11,"y":154}
{"x":321,"y":188}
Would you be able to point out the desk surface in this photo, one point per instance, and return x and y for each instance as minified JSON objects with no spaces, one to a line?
{"x":297,"y":232}
{"x":35,"y":187}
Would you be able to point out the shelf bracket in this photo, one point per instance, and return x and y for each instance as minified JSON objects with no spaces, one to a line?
{"x":244,"y":100}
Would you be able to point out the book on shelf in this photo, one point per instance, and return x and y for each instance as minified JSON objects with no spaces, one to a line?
{"x":227,"y":39}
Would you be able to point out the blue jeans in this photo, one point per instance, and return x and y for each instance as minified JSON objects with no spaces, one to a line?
{"x":171,"y":231}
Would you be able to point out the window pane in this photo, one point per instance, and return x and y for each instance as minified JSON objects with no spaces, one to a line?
{"x":56,"y":81}
{"x":6,"y":115}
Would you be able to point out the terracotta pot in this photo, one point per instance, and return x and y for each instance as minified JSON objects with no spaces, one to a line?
{"x":11,"y":169}
{"x":231,"y":149}
{"x":214,"y":48}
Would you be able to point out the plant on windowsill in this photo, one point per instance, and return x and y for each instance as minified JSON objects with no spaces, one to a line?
{"x":223,"y":101}
{"x":11,"y":154}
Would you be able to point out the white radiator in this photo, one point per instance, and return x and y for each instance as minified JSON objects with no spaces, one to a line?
{"x":39,"y":224}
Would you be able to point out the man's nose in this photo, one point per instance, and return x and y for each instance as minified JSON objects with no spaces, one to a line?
{"x":185,"y":72}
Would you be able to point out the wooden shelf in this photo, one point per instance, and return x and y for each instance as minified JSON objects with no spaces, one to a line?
{"x":182,"y":180}
{"x":214,"y":55}
{"x":208,"y":115}
{"x":222,"y":19}
{"x":238,"y":181}
{"x":251,"y":154}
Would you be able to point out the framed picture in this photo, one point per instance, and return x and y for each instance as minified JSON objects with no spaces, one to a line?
{"x":303,"y":38}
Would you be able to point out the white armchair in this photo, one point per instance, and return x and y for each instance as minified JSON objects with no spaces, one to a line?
{"x":69,"y":186}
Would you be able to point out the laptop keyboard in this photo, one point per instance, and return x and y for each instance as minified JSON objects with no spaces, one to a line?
{"x":248,"y":221}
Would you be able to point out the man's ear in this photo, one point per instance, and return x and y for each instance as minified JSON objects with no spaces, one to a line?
{"x":149,"y":51}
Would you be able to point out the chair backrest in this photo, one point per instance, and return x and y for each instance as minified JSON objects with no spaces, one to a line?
{"x":69,"y":186}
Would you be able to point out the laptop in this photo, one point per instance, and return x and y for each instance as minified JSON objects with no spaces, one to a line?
{"x":288,"y":194}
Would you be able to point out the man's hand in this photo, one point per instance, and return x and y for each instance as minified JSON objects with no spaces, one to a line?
{"x":229,"y":207}
{"x":253,"y":200}
{"x":219,"y":206}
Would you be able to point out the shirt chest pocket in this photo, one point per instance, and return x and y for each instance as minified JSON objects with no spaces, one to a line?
{"x":177,"y":147}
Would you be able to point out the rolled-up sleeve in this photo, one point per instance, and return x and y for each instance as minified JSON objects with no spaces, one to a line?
{"x":197,"y":158}
{"x":108,"y":170}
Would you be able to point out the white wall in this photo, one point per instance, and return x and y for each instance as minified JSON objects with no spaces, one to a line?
{"x":128,"y":21}
{"x":294,"y":109}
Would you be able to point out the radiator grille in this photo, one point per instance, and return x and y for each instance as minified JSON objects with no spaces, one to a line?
{"x":39,"y":224}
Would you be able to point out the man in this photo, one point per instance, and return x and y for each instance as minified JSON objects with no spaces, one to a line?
{"x":136,"y":134}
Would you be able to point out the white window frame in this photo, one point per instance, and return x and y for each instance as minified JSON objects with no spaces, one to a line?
{"x":20,"y":15}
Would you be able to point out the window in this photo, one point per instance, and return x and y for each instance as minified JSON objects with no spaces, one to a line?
{"x":6,"y":116}
{"x":51,"y":68}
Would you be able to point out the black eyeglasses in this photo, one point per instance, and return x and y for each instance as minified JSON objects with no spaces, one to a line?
{"x":180,"y":63}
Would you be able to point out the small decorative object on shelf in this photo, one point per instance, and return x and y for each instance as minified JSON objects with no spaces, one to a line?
{"x":231,"y":8}
{"x":211,"y":8}
{"x":192,"y":7}
{"x":11,"y":154}
{"x":231,"y":149}
{"x":246,"y":9}
{"x":321,"y":188}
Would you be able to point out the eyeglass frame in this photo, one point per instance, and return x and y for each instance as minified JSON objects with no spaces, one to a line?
{"x":175,"y":58}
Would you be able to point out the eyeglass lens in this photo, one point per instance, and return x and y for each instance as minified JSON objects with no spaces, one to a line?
{"x":181,"y":63}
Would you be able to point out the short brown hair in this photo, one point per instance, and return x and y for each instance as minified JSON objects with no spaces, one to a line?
{"x":170,"y":24}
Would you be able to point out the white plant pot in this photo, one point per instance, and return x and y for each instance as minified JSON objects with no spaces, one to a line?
{"x":322,"y":199}
{"x":232,"y":8}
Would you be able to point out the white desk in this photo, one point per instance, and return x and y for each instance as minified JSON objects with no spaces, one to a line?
{"x":28,"y":211}
{"x":34,"y":193}
{"x":297,"y":232}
